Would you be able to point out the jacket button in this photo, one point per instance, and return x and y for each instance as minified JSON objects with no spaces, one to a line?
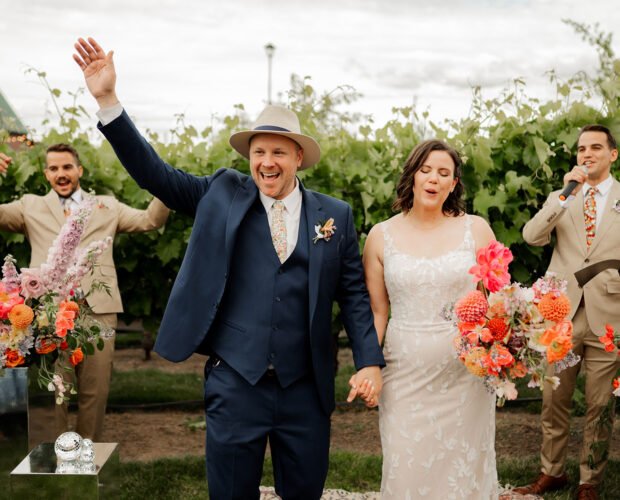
{"x":587,"y":260}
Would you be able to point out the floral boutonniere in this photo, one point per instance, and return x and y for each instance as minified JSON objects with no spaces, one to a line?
{"x":324,"y":230}
{"x":616,"y":206}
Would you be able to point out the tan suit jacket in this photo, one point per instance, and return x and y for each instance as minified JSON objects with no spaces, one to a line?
{"x":601,"y":294}
{"x":41,"y":217}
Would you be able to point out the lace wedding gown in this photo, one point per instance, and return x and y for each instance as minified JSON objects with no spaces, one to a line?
{"x":437,"y":421}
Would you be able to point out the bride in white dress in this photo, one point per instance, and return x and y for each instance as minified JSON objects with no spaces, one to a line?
{"x":437,"y":421}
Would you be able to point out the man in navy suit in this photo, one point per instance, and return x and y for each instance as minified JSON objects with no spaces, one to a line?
{"x":265,"y":261}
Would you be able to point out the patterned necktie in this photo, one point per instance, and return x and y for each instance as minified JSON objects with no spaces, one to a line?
{"x":589,"y":215}
{"x":278,"y":229}
{"x":66,"y":204}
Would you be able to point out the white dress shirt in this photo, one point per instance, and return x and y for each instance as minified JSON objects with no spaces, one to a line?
{"x":72,"y":201}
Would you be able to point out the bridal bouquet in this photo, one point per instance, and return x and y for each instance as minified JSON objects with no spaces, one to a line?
{"x":43,"y":311}
{"x":508,"y":331}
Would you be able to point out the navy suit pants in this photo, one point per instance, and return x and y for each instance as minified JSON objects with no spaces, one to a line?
{"x":240,"y":420}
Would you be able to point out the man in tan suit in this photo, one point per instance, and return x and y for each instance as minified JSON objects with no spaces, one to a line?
{"x":587,"y":230}
{"x":40,"y":219}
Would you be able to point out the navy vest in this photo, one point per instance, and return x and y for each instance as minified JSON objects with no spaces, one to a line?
{"x":263,"y":316}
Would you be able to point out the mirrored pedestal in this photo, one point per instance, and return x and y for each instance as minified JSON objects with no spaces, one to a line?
{"x":36,"y":477}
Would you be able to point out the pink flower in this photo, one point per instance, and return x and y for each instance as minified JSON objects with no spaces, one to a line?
{"x":492,"y":266}
{"x":8,"y":299}
{"x":32,"y":285}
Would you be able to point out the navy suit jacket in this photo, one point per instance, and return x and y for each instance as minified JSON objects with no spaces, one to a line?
{"x":218,"y":204}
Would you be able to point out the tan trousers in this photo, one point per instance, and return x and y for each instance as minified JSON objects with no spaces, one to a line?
{"x":93,"y":385}
{"x":600,"y":368}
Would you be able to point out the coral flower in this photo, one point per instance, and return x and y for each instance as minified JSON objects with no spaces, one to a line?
{"x":64,"y":321}
{"x":554,"y":307}
{"x":473,"y":361}
{"x":472,"y":307}
{"x":608,"y":339}
{"x":76,"y":356}
{"x":519,"y":370}
{"x":44,"y":346}
{"x":21,"y":316}
{"x":498,"y":358}
{"x":498,"y":328}
{"x":492,"y":266}
{"x":69,"y":305}
{"x":13,"y":359}
{"x":8,"y":300}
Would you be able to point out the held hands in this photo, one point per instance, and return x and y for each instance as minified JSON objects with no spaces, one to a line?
{"x":5,"y":161}
{"x":577,"y":174}
{"x":98,"y":69}
{"x":367,"y":384}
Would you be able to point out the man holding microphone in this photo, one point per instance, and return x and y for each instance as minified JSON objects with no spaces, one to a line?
{"x":585,"y":218}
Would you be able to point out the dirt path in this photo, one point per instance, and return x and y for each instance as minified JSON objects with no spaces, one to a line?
{"x":151,"y":435}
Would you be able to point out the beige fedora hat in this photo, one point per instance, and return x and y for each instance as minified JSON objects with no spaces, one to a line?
{"x":278,"y":120}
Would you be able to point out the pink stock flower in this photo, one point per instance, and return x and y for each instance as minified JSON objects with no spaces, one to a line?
{"x":492,"y":266}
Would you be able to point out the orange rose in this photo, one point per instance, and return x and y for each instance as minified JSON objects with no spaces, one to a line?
{"x":519,"y":370}
{"x":13,"y":359}
{"x":68,"y":305}
{"x":45,"y":346}
{"x":76,"y":356}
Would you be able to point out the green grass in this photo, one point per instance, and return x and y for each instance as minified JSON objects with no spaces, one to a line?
{"x":173,"y":478}
{"x":153,"y":386}
{"x":185,"y":478}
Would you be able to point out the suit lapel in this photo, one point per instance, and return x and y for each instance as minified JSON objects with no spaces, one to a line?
{"x":314,"y":214}
{"x":609,"y":216}
{"x":241,"y":203}
{"x":53,"y":203}
{"x":575,"y":210}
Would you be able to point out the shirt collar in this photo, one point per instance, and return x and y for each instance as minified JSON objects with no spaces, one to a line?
{"x":603,"y":187}
{"x":76,"y":197}
{"x":292,"y":200}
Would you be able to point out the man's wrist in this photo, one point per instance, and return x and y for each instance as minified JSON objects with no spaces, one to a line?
{"x":107,"y":101}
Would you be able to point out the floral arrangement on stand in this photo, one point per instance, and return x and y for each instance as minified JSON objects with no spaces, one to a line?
{"x":43,"y":311}
{"x":508,"y":331}
{"x":599,"y":450}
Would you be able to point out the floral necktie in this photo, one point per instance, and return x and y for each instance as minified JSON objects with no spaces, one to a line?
{"x":589,"y":214}
{"x":278,"y":229}
{"x":66,"y":205}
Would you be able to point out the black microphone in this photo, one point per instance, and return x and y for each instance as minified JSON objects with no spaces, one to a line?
{"x":572,"y":185}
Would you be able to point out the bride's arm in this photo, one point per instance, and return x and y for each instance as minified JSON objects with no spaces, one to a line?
{"x":373,"y":271}
{"x":482,"y":232}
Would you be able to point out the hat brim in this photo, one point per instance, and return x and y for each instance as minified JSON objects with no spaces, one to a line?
{"x":240,"y":141}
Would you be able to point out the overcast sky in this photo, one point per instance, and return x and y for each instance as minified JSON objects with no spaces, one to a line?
{"x":200,"y":57}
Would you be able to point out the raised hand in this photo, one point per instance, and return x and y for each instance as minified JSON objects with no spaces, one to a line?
{"x":4,"y":163}
{"x":578,"y":174}
{"x":98,"y":69}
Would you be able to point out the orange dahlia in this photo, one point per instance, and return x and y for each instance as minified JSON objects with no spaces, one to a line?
{"x":554,"y":307}
{"x":472,"y":307}
{"x":21,"y":316}
{"x":473,"y":361}
{"x":498,"y":328}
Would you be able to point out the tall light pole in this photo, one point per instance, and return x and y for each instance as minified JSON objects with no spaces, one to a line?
{"x":270,"y":48}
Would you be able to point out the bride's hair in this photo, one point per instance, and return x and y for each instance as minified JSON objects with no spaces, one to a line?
{"x":454,"y":204}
